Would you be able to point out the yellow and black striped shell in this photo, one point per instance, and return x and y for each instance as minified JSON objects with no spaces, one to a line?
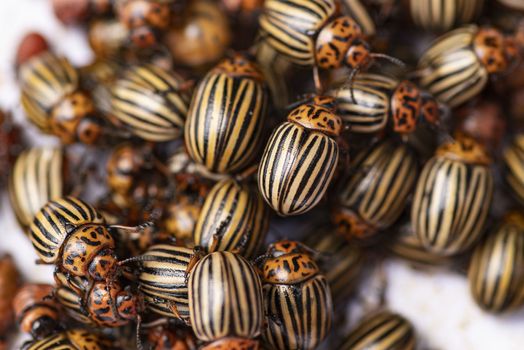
{"x":234,"y":217}
{"x":163,"y":279}
{"x":452,"y":197}
{"x":514,"y":166}
{"x":441,"y":15}
{"x":299,"y":159}
{"x":44,"y":81}
{"x":227,"y":116}
{"x":150,"y":102}
{"x":70,"y":295}
{"x":384,"y":330}
{"x":75,"y":339}
{"x":496,"y":269}
{"x":456,"y":67}
{"x":297,"y":298}
{"x":55,"y":221}
{"x":225,"y":298}
{"x":291,"y":26}
{"x":37,"y":177}
{"x":340,"y":262}
{"x":373,"y":195}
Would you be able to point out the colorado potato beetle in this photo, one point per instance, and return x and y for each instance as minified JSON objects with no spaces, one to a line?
{"x":375,"y":103}
{"x":234,"y":218}
{"x":441,"y":15}
{"x":75,"y":339}
{"x":171,"y":337}
{"x":234,"y":309}
{"x":300,"y":158}
{"x":374,"y":193}
{"x":150,"y":102}
{"x":297,"y":298}
{"x":38,"y":176}
{"x":227,"y":115}
{"x":496,"y":269}
{"x":457,"y":66}
{"x":36,"y":311}
{"x":385,"y":330}
{"x":309,"y":33}
{"x":453,"y":197}
{"x":513,"y":158}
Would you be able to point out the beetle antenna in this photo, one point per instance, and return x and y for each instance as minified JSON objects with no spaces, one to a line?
{"x":389,"y":58}
{"x":139,"y":344}
{"x":138,"y":228}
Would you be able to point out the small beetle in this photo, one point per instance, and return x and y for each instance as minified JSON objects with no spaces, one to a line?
{"x":75,"y":339}
{"x":38,"y":176}
{"x":457,"y":66}
{"x":227,"y":115}
{"x":453,"y":197}
{"x":384,"y":330}
{"x":496,"y":269}
{"x":164,"y":337}
{"x":442,"y":15}
{"x":53,"y":101}
{"x":225,"y":298}
{"x":297,"y":297}
{"x":150,"y":102}
{"x":163,"y":277}
{"x":514,"y":166}
{"x":107,"y":38}
{"x":9,"y":279}
{"x":374,"y":103}
{"x":373,"y":195}
{"x":37,"y":312}
{"x":300,"y":158}
{"x":310,"y":33}
{"x":203,"y":37}
{"x":234,"y":218}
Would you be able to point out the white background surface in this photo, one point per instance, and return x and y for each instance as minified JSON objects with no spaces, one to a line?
{"x":437,"y":303}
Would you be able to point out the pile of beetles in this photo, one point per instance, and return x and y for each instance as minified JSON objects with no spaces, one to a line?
{"x":229,"y":170}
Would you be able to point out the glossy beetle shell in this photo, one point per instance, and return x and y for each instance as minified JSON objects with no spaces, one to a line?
{"x":75,"y":339}
{"x":150,"y":102}
{"x":55,"y":221}
{"x":452,"y":197}
{"x":234,"y":309}
{"x":385,"y":330}
{"x":374,"y":194}
{"x":227,"y":116}
{"x":290,"y":26}
{"x":441,"y":15}
{"x":298,"y":162}
{"x":37,"y":177}
{"x":163,"y":279}
{"x":496,"y":269}
{"x":297,"y":298}
{"x":514,"y":166}
{"x":234,"y":218}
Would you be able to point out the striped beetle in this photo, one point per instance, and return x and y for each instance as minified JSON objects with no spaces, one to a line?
{"x":36,"y":311}
{"x":453,"y":197}
{"x":52,"y":99}
{"x":234,"y":308}
{"x":73,"y":235}
{"x":441,"y":15}
{"x":38,"y":176}
{"x":496,"y":269}
{"x":374,"y":193}
{"x":384,"y":330}
{"x":456,"y":67}
{"x":300,"y":158}
{"x":309,"y":33}
{"x":226,"y":116}
{"x":234,"y":217}
{"x":163,"y":277}
{"x":150,"y":102}
{"x":374,"y":103}
{"x":297,"y":297}
{"x":514,"y":166}
{"x":74,"y":339}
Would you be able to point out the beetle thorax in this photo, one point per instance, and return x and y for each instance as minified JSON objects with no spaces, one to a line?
{"x":289,"y":269}
{"x":233,"y":344}
{"x":465,"y":149}
{"x":239,"y":66}
{"x":316,"y":117}
{"x":496,"y":52}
